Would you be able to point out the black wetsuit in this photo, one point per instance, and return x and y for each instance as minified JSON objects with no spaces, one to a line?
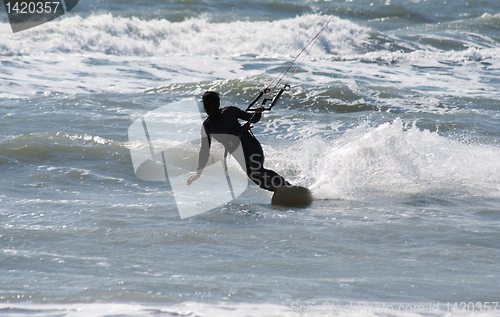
{"x":225,"y":122}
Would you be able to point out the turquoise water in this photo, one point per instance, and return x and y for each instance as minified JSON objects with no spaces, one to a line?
{"x":391,"y":121}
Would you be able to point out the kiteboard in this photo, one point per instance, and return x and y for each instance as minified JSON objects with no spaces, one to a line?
{"x":291,"y":196}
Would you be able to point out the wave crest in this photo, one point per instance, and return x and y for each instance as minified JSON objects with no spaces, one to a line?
{"x":111,"y":35}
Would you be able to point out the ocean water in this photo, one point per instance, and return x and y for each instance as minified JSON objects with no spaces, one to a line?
{"x":392,"y":121}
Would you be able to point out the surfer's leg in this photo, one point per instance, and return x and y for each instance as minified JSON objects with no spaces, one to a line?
{"x":254,"y":162}
{"x":267,"y":179}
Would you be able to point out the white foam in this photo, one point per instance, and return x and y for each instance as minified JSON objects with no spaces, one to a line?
{"x":116,"y":309}
{"x":119,"y":54}
{"x":395,"y":159}
{"x":471,"y":54}
{"x":122,"y":36}
{"x":111,"y":35}
{"x":77,"y":73}
{"x":222,"y":309}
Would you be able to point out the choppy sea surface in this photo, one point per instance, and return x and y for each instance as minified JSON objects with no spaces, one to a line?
{"x":392,"y":121}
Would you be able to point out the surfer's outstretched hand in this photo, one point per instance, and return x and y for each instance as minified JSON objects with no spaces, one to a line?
{"x":260,"y":109}
{"x":192,"y":178}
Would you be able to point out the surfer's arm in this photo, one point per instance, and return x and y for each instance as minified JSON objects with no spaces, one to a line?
{"x":247,"y":116}
{"x":206,"y":140}
{"x":203,"y":155}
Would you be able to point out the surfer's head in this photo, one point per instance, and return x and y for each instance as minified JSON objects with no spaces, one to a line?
{"x":211,"y":102}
